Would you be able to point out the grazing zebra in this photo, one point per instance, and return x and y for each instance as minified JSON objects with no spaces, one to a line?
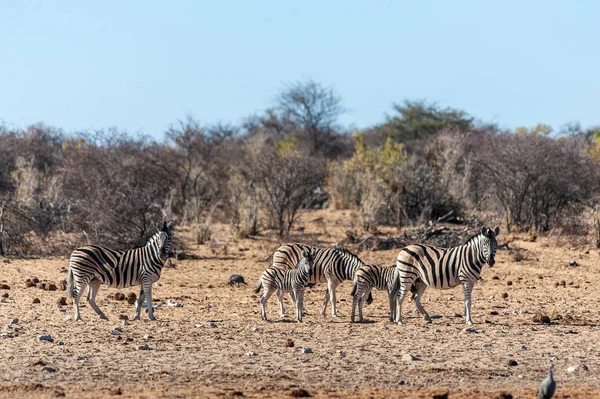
{"x":331,"y":265}
{"x":93,"y":265}
{"x":292,"y":280}
{"x":425,"y":265}
{"x":369,"y":276}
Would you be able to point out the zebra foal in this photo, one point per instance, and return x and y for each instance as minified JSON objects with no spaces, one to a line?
{"x":443,"y":268}
{"x":330,"y":265}
{"x":292,"y":280}
{"x":93,"y":265}
{"x":368,"y":277}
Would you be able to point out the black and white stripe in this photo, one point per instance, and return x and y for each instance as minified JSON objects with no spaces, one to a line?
{"x":331,"y":265}
{"x":291,"y":280}
{"x":368,"y":277}
{"x":425,"y":265}
{"x":93,"y":265}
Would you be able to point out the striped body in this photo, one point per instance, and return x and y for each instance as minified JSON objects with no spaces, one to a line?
{"x":330,"y":265}
{"x":444,"y":268}
{"x":368,"y":277}
{"x":286,"y":280}
{"x":93,"y":265}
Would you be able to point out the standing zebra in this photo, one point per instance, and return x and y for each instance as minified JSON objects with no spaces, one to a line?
{"x":331,"y":265}
{"x":425,"y":265}
{"x":93,"y":265}
{"x":292,"y":280}
{"x":369,"y":276}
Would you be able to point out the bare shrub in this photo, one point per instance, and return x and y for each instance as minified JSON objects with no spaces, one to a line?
{"x":286,"y":181}
{"x":203,"y":234}
{"x":535,"y":177}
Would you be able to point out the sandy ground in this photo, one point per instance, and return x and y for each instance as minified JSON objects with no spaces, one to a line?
{"x":244,"y":356}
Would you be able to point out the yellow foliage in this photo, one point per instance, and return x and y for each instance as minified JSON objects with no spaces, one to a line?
{"x":540,"y":128}
{"x":594,"y":150}
{"x":287,"y":146}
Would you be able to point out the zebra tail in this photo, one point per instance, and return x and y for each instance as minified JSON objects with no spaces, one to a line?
{"x":258,"y":285}
{"x":413,"y":292}
{"x":70,"y":281}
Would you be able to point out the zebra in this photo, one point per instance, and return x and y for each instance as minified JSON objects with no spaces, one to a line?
{"x":93,"y":265}
{"x":425,"y":265}
{"x":292,"y":280}
{"x":331,"y":265}
{"x":369,"y":276}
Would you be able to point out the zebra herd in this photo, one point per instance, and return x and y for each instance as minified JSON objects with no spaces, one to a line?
{"x":294,"y":267}
{"x":417,"y":267}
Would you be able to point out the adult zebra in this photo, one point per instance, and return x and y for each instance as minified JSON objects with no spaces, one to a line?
{"x":330,"y":265}
{"x":425,"y":265}
{"x":93,"y":265}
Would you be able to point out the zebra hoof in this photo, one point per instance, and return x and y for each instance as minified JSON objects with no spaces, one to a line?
{"x":469,"y":323}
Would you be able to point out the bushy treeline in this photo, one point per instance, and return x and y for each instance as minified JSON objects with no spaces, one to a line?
{"x":58,"y":191}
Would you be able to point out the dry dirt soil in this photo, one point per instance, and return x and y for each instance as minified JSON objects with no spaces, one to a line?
{"x":244,"y":356}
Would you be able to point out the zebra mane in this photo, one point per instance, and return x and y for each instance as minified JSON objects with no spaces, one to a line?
{"x":347,"y":254}
{"x":473,"y":238}
{"x":152,"y":239}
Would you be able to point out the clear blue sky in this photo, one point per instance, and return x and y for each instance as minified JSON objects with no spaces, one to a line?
{"x":142,"y":65}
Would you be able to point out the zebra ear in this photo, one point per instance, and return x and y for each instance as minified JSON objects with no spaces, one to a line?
{"x":484,"y":231}
{"x":497,"y":230}
{"x":165,"y":228}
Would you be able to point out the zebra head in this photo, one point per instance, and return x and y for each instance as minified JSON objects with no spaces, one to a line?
{"x":489,"y":244}
{"x":163,"y":238}
{"x":308,"y":259}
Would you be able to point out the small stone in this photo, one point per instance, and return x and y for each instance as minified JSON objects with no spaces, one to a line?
{"x":509,"y":283}
{"x":144,"y":347}
{"x":34,"y":280}
{"x":123,"y":317}
{"x":409,"y":358}
{"x":80,"y":358}
{"x":198,"y":325}
{"x":299,"y":393}
{"x":50,"y":287}
{"x":62,"y":301}
{"x":504,"y":295}
{"x":341,"y":353}
{"x":573,"y":263}
{"x":256,"y":329}
{"x":124,"y":322}
{"x":116,"y":391}
{"x":541,"y":318}
{"x":307,"y":350}
{"x":495,"y":278}
{"x":505,"y":395}
{"x":48,"y":370}
{"x":523,"y":348}
{"x":563,"y":283}
{"x":41,"y":286}
{"x":212,"y":325}
{"x":494,"y":313}
{"x":47,"y":338}
{"x":401,"y":382}
{"x":512,"y":363}
{"x":4,"y":295}
{"x":29,"y":283}
{"x":60,"y":343}
{"x":470,"y":330}
{"x":147,"y":336}
{"x":251,"y":354}
{"x":62,"y":286}
{"x":67,"y":317}
{"x":4,"y":286}
{"x":174,"y":304}
{"x":437,"y":330}
{"x":13,"y":321}
{"x":289,"y":343}
{"x":36,"y":300}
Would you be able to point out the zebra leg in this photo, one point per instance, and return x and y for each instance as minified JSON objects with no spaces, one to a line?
{"x":138,"y":304}
{"x":77,"y":291}
{"x":325,"y":302}
{"x":421,"y":287}
{"x":355,"y":299}
{"x":280,"y":295}
{"x":331,"y":286}
{"x":299,"y":305}
{"x":264,"y":297}
{"x":467,"y":290}
{"x":361,"y":302}
{"x":147,"y":285}
{"x":391,"y":297}
{"x":404,"y":289}
{"x":93,"y":287}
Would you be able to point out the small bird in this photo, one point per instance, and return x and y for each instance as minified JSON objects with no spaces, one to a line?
{"x":236,"y":279}
{"x":547,"y":386}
